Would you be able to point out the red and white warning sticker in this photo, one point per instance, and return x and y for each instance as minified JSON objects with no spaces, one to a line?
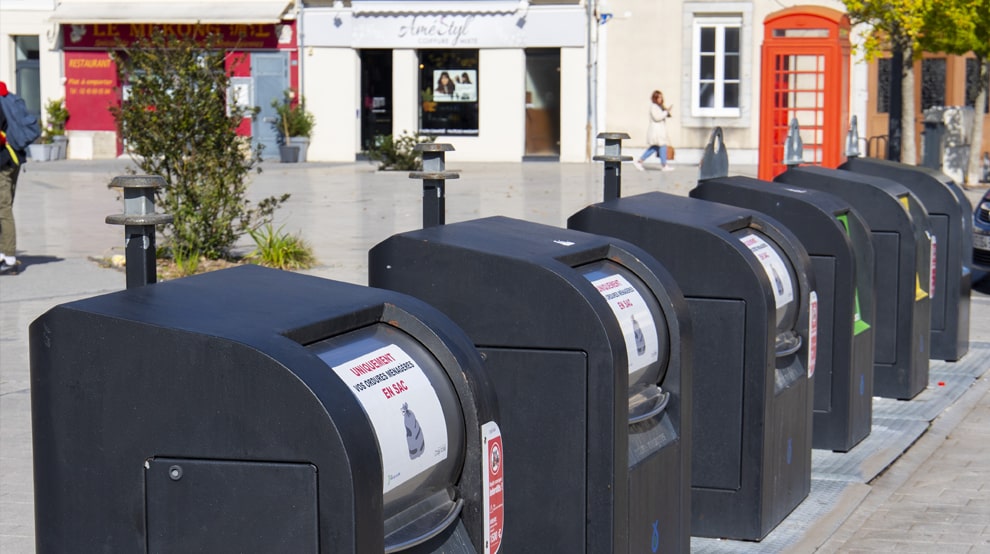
{"x":493,"y":462}
{"x":812,"y":333}
{"x":932,"y":263}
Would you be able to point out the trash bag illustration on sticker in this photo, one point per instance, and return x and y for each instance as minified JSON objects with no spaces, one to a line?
{"x":414,"y":433}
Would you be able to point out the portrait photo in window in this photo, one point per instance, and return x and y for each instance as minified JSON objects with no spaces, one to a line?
{"x":455,"y":85}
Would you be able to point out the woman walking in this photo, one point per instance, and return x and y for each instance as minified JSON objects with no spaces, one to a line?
{"x":656,"y":133}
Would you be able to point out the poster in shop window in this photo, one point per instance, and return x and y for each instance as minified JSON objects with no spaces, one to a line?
{"x":455,"y":85}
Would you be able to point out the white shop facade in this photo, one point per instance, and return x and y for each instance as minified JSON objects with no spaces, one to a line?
{"x":501,"y":81}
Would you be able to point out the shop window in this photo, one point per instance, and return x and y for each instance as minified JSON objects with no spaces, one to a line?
{"x":716,"y":64}
{"x":448,"y":88}
{"x":972,"y":85}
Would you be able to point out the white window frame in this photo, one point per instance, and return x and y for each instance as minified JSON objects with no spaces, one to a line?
{"x":720,"y":23}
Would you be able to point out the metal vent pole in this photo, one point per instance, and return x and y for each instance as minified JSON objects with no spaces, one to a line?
{"x":139,"y":220}
{"x":434,"y":175}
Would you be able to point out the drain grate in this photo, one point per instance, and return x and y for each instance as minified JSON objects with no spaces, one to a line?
{"x":888,"y":439}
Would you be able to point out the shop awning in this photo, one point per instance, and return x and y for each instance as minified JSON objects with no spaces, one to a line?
{"x":437,"y":6}
{"x":233,"y":13}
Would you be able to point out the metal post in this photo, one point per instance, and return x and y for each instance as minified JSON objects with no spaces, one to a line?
{"x":434,"y":175}
{"x":139,"y":220}
{"x":613,"y":163}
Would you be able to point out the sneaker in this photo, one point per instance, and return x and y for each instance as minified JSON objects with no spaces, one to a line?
{"x":9,"y":269}
{"x":667,"y":168}
{"x":639,"y":165}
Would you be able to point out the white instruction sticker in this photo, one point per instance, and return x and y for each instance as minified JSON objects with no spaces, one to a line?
{"x":403,"y":408}
{"x":774,"y":266}
{"x":635,"y":319}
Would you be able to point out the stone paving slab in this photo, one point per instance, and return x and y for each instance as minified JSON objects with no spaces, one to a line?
{"x":839,"y":479}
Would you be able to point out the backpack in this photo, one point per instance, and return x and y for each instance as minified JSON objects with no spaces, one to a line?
{"x":22,"y":125}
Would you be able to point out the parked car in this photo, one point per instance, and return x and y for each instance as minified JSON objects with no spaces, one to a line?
{"x":981,"y":234}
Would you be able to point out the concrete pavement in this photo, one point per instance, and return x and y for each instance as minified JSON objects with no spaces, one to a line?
{"x":926,"y":495}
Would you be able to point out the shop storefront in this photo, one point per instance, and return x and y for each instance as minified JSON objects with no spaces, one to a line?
{"x":262,"y":58}
{"x":501,"y":81}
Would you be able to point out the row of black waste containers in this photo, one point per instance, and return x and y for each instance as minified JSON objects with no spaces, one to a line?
{"x":661,"y":368}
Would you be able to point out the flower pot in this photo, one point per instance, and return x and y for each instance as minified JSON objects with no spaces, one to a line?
{"x":303,"y":144}
{"x":288,"y":154}
{"x":40,"y":152}
{"x":60,"y":147}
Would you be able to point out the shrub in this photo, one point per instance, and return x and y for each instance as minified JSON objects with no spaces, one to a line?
{"x":397,"y":153}
{"x":56,"y":116}
{"x":275,"y":248}
{"x":176,"y":122}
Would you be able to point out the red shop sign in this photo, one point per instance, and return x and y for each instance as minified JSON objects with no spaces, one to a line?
{"x":107,"y":36}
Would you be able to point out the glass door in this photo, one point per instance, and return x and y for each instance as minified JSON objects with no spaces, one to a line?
{"x":376,"y":96}
{"x":542,"y":103}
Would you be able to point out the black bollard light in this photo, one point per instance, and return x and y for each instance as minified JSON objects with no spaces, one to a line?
{"x":434,"y":175}
{"x":139,"y":220}
{"x":613,"y":159}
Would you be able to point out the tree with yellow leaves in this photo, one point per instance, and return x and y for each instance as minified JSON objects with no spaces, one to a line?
{"x":959,"y":27}
{"x":897,"y":26}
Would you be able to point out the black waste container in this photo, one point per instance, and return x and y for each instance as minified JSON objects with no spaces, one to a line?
{"x":902,"y":247}
{"x":950,"y":215}
{"x":257,"y":410}
{"x":747,"y":282}
{"x":586,"y":340}
{"x":838,"y":243}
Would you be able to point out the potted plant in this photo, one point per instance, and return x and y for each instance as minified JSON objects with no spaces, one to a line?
{"x":57,"y":116}
{"x":427,"y":97}
{"x":41,"y":149}
{"x":294,"y":125}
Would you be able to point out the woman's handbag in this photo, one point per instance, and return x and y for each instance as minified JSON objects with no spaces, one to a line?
{"x":670,"y":152}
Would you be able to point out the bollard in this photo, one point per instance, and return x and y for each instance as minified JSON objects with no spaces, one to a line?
{"x":139,"y":220}
{"x":613,"y":159}
{"x":433,"y":175}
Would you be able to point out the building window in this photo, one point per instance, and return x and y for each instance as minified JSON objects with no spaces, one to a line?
{"x":883,"y":85}
{"x":932,"y":83}
{"x":448,"y":86}
{"x":715,"y":80}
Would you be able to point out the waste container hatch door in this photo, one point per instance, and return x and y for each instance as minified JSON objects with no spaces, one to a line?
{"x":195,"y":505}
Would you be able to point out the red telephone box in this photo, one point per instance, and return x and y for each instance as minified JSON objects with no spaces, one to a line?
{"x":805,"y":76}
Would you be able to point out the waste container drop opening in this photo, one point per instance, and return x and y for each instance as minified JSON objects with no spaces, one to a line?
{"x":644,"y":330}
{"x":418,"y":424}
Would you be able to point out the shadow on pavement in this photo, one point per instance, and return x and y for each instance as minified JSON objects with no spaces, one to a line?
{"x":28,"y":261}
